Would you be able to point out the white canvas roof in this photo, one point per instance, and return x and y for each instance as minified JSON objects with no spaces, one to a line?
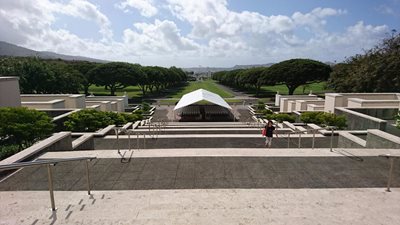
{"x":199,"y":95}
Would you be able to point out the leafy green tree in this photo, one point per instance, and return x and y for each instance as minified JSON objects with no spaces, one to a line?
{"x":374,"y":71}
{"x":83,"y":67}
{"x":23,"y":126}
{"x":114,"y":75}
{"x":42,"y":76}
{"x":65,"y":79}
{"x":296,"y":72}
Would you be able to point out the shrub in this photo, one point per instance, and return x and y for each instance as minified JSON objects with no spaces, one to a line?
{"x":8,"y":150}
{"x":324,"y":119}
{"x":398,"y":120}
{"x":132,"y":117}
{"x":89,"y":120}
{"x":145,"y":106}
{"x":23,"y":127}
{"x":312,"y":117}
{"x":116,"y":118}
{"x":265,"y":111}
{"x":281,"y":117}
{"x":260,"y":105}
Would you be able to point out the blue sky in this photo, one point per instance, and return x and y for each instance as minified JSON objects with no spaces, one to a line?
{"x":189,"y":33}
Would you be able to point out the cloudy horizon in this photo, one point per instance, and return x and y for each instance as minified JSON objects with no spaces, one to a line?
{"x":208,"y":33}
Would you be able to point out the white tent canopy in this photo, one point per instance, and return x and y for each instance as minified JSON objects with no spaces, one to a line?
{"x":199,"y":95}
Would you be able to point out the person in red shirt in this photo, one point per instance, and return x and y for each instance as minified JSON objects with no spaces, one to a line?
{"x":268,"y":132}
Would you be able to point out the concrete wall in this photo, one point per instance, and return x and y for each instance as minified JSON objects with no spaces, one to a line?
{"x":52,"y":104}
{"x":301,"y":105}
{"x":104,"y":105}
{"x":381,"y":113}
{"x":9,"y":92}
{"x":286,"y":100}
{"x":58,"y":142}
{"x":359,"y":121}
{"x":110,"y":142}
{"x":380,"y":139}
{"x":84,"y":142}
{"x":362,"y":103}
{"x":333,"y":100}
{"x":313,"y":107}
{"x":120,"y":102}
{"x":347,"y":140}
{"x":72,"y":101}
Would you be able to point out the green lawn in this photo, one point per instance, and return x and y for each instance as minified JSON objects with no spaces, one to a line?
{"x":208,"y":85}
{"x":132,"y":91}
{"x":317,"y":88}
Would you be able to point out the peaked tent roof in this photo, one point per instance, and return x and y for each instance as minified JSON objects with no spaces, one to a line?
{"x":199,"y":95}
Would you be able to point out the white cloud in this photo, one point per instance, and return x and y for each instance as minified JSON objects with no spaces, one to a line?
{"x":217,"y":36}
{"x":159,"y":37}
{"x":88,"y":11}
{"x":145,"y":7}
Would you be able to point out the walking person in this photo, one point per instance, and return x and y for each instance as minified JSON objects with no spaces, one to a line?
{"x":268,"y":132}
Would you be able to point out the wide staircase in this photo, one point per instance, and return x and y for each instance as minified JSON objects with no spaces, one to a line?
{"x":209,"y":155}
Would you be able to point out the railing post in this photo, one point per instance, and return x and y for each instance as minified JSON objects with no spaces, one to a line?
{"x":332,"y":139}
{"x":137,"y":141}
{"x":129,"y":139}
{"x":390,"y":174}
{"x":144,"y":141}
{"x":116,"y":132}
{"x":288,"y":140}
{"x":313,"y":139}
{"x":299,"y":139}
{"x":87,"y":176}
{"x":50,"y":179}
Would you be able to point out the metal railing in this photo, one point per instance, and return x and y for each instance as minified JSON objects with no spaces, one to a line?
{"x":391,"y":167}
{"x":293,"y":134}
{"x":50,"y":164}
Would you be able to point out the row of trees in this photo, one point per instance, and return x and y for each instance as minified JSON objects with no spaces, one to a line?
{"x":56,"y":76}
{"x":377,"y":70}
{"x":292,"y":73}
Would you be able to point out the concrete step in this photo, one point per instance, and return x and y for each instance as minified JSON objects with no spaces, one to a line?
{"x":210,"y":141}
{"x":200,"y":130}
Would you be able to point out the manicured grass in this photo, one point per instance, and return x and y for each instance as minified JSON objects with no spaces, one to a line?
{"x":208,"y":85}
{"x":132,"y":91}
{"x":172,"y":101}
{"x":316,"y":88}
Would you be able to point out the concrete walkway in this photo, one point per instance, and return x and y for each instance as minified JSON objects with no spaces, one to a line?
{"x":197,"y":207}
{"x":211,"y":169}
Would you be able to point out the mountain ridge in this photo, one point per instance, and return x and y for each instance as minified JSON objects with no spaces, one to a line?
{"x":8,"y":49}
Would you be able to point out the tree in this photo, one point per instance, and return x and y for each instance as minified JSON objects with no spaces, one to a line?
{"x":42,"y":76}
{"x":296,"y":72}
{"x":23,"y":126}
{"x":374,"y":71}
{"x":114,"y":75}
{"x":65,"y":78}
{"x":83,"y":67}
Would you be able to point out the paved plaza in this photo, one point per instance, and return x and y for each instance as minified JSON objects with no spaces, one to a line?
{"x":363,"y":206}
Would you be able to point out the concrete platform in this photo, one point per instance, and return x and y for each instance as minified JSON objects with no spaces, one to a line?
{"x":202,"y":169}
{"x":167,"y":141}
{"x":219,"y":206}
